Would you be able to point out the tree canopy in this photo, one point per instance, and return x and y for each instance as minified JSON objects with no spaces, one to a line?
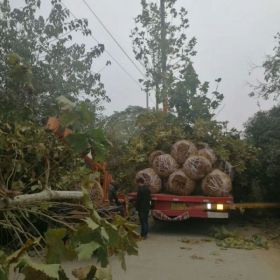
{"x":270,"y":88}
{"x":264,"y":132}
{"x":161,"y":44}
{"x":31,"y":43}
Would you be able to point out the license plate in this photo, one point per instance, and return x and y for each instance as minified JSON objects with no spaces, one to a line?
{"x":178,"y":206}
{"x":217,"y":215}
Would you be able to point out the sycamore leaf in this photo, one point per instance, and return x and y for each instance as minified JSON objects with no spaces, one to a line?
{"x":85,"y":251}
{"x":3,"y":274}
{"x":85,"y":273}
{"x":82,"y":235}
{"x":103,"y":274}
{"x":122,"y":260}
{"x":91,"y":224}
{"x":78,"y":142}
{"x":57,"y":251}
{"x":33,"y":270}
{"x":104,"y":234}
{"x":68,"y":118}
{"x":92,"y":272}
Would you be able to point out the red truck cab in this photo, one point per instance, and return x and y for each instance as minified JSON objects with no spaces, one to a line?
{"x":169,"y":207}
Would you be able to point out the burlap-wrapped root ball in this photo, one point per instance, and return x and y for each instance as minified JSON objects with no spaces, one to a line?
{"x":217,"y":183}
{"x":208,"y":153}
{"x":197,"y":167}
{"x":149,"y":177}
{"x":164,"y":165}
{"x":182,"y":149}
{"x":153,"y":155}
{"x":96,"y":194}
{"x":180,"y":184}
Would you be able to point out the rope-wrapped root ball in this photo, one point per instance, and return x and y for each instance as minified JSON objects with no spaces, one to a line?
{"x":180,"y":184}
{"x":164,"y":165}
{"x":149,"y":177}
{"x":96,"y":194}
{"x":182,"y":149}
{"x":197,"y":167}
{"x":217,"y":183}
{"x":153,"y":155}
{"x":209,"y":154}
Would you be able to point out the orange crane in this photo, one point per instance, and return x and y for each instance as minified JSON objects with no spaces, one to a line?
{"x":53,"y":125}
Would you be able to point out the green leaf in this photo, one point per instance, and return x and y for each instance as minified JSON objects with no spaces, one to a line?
{"x":85,"y":273}
{"x":122,"y":259}
{"x":69,"y":118}
{"x":103,"y":274}
{"x":78,"y":142}
{"x":82,"y":235}
{"x":98,"y":135}
{"x":86,"y":199}
{"x":33,"y":270}
{"x":104,"y":234}
{"x":85,"y":251}
{"x":3,"y":273}
{"x":91,"y":224}
{"x":57,"y":251}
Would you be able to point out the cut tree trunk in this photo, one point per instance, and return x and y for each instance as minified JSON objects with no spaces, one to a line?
{"x":46,"y":195}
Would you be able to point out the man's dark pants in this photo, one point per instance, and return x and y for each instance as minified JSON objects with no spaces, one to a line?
{"x":143,"y":217}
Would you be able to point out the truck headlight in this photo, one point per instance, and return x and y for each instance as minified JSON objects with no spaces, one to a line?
{"x":209,"y":206}
{"x":220,"y":207}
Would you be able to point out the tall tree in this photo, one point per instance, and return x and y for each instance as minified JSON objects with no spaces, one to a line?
{"x":271,"y":85}
{"x":59,"y":66}
{"x":161,"y":44}
{"x":264,"y":132}
{"x":191,"y":99}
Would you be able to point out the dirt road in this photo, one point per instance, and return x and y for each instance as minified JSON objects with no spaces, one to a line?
{"x":163,"y":256}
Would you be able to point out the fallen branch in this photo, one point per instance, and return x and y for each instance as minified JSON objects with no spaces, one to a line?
{"x":45,"y":195}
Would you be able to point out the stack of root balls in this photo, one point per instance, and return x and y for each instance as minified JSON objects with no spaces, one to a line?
{"x":188,"y":169}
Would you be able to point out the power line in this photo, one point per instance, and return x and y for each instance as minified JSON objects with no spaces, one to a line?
{"x":114,"y":39}
{"x":112,"y":57}
{"x":108,"y":53}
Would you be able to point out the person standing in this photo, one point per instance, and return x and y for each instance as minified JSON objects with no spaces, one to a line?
{"x":143,"y":205}
{"x":113,"y":196}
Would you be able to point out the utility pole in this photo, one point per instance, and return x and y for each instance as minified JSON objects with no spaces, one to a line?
{"x":163,"y":55}
{"x":147,"y":100}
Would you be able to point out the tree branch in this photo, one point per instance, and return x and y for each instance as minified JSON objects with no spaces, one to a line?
{"x":46,"y":195}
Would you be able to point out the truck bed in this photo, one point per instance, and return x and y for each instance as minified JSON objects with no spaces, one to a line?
{"x":173,"y":207}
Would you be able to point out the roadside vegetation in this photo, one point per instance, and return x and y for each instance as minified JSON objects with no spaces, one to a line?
{"x":44,"y":73}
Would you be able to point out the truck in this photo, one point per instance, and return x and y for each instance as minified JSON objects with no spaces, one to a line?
{"x":167,"y":207}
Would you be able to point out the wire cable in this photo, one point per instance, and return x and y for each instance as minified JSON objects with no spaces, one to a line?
{"x":114,"y":39}
{"x":108,"y":53}
{"x":113,"y":58}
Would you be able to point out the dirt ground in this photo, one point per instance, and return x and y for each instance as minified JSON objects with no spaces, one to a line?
{"x":163,"y":256}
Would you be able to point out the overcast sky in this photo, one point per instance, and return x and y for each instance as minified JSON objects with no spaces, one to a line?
{"x":233,"y":36}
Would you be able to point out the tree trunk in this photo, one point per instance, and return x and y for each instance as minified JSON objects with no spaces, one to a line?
{"x":163,"y":55}
{"x":46,"y":195}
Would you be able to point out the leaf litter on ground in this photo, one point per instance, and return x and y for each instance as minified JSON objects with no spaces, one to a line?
{"x":229,"y":239}
{"x":196,"y":257}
